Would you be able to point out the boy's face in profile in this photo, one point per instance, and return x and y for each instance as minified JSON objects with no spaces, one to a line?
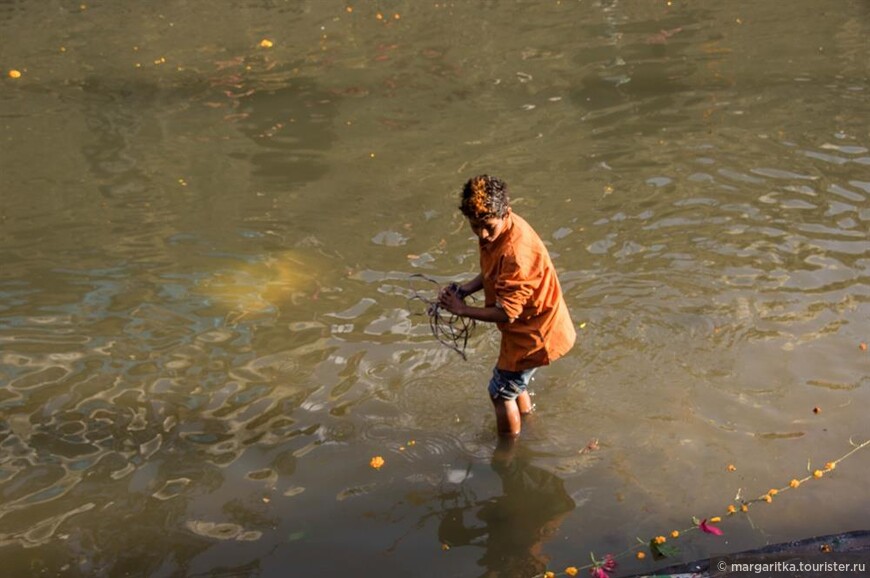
{"x":489,"y":229}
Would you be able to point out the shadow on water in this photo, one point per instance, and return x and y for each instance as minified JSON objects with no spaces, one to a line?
{"x":137,"y":124}
{"x":512,"y":528}
{"x":291,"y":128}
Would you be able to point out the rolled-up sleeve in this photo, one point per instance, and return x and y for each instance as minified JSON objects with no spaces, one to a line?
{"x":515,"y":286}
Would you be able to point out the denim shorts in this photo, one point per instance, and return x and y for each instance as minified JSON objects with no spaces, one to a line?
{"x":508,"y":385}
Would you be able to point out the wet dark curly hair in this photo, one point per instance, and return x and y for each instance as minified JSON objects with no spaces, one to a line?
{"x":484,"y":197}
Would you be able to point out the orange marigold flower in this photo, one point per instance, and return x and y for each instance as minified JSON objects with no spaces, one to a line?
{"x":571,"y":571}
{"x":767,"y":498}
{"x":818,"y":474}
{"x":731,"y":509}
{"x":715,"y":519}
{"x":744,"y":508}
{"x":549,"y":574}
{"x":773,"y":491}
{"x":794,"y":483}
{"x":377,"y":462}
{"x":640,"y":555}
{"x":675,"y":534}
{"x":660,"y":539}
{"x":732,"y":468}
{"x":830,"y":465}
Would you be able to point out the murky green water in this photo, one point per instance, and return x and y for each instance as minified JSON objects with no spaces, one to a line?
{"x":205,"y":330}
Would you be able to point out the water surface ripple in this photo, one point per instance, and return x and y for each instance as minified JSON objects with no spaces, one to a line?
{"x":206,"y":251}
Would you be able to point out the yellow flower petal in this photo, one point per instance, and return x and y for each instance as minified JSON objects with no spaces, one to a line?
{"x":830,"y":465}
{"x":818,"y":474}
{"x":377,"y":462}
{"x":794,"y":483}
{"x":715,"y":520}
{"x":675,"y":534}
{"x":571,"y":571}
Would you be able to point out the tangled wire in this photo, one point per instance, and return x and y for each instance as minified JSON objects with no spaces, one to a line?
{"x":451,"y":331}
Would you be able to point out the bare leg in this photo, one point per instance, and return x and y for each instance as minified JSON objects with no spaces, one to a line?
{"x":524,"y":403}
{"x":507,"y":417}
{"x":504,"y":451}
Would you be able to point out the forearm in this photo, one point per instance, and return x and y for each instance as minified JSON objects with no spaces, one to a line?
{"x":473,"y":286}
{"x":452,"y":298}
{"x":489,"y":314}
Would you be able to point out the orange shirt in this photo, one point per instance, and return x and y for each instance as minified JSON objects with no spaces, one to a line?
{"x":519,"y":277}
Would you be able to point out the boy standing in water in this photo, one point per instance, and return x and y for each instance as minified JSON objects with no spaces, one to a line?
{"x":522,"y":297}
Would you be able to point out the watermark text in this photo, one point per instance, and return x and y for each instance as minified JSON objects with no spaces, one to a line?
{"x":837,"y":564}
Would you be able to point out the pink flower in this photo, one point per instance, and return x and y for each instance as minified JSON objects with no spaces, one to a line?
{"x":601,"y":569}
{"x":705,"y":527}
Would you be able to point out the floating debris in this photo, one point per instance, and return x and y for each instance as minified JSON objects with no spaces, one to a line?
{"x":354,"y":492}
{"x":591,"y":446}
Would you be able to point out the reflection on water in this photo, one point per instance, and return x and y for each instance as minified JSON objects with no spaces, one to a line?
{"x":206,"y":247}
{"x":512,"y":527}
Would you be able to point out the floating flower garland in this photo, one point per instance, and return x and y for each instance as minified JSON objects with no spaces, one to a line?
{"x":659,"y":546}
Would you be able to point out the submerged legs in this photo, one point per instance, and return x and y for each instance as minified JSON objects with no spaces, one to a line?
{"x":508,"y":414}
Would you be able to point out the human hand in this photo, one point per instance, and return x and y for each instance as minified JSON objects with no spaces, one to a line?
{"x":450,"y":299}
{"x":451,"y":288}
